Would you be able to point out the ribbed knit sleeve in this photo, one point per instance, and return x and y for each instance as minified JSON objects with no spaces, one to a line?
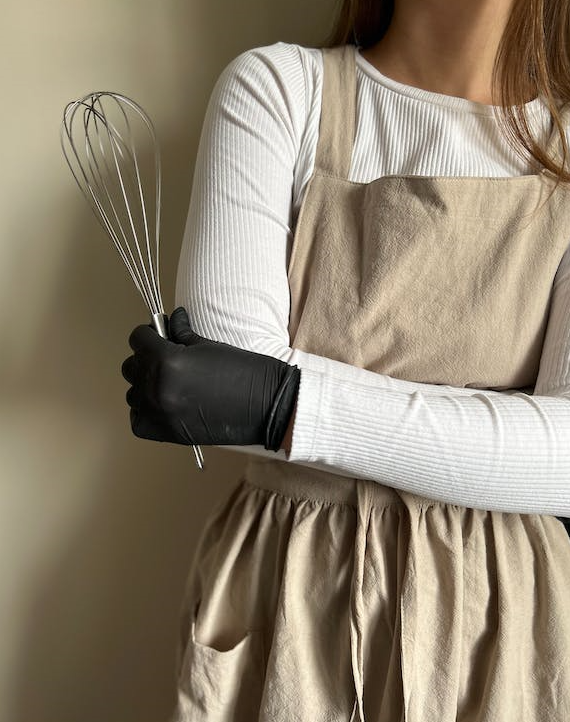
{"x":504,"y":451}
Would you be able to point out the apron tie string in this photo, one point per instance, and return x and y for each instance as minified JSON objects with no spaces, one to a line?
{"x":364,"y":507}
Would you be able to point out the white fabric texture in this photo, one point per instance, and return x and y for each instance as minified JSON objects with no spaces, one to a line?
{"x":497,"y":450}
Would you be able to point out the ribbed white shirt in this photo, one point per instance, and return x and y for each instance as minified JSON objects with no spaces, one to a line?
{"x":496,"y":450}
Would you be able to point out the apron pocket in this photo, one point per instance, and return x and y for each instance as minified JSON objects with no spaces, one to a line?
{"x":221,"y":686}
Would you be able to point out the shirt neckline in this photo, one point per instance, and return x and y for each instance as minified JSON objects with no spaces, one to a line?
{"x":428,"y":96}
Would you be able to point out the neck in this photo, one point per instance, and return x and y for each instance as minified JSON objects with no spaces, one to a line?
{"x":443,"y":46}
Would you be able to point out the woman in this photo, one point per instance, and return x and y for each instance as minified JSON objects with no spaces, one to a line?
{"x":378,"y":282}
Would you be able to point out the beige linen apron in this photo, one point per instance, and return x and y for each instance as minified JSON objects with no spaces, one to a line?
{"x":317,"y":597}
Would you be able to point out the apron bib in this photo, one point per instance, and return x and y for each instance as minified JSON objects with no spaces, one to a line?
{"x":318,"y":597}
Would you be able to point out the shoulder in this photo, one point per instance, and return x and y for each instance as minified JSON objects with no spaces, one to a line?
{"x":285,"y":70}
{"x":277,"y":84}
{"x":284,"y":60}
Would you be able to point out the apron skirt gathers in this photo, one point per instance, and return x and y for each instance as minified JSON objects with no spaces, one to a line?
{"x":315,"y":597}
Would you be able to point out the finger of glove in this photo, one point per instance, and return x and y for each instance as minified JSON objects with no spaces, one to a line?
{"x":145,"y":338}
{"x":130,"y":397}
{"x":128,"y":369}
{"x":179,"y":327}
{"x":146,"y":426}
{"x":139,"y":427}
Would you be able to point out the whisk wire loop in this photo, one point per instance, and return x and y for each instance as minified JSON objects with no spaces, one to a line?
{"x":98,"y":189}
{"x":114,"y":141}
{"x":113,"y":135}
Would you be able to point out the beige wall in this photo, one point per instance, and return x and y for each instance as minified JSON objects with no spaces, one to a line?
{"x":98,"y":527}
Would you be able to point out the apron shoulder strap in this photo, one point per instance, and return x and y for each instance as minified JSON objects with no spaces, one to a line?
{"x":338,"y":111}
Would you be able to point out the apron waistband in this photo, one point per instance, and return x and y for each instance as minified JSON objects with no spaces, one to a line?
{"x":302,"y":482}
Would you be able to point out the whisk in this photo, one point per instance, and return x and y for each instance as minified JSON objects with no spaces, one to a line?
{"x":99,"y":134}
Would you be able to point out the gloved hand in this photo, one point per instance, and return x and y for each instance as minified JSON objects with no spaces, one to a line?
{"x":190,"y":390}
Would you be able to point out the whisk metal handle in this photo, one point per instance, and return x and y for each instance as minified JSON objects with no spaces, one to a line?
{"x":160,"y":321}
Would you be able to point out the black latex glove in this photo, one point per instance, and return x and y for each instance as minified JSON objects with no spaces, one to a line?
{"x":190,"y":390}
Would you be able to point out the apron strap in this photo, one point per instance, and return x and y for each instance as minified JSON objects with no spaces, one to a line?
{"x":338,"y":110}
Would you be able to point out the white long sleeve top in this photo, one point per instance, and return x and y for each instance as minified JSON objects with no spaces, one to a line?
{"x":496,"y":450}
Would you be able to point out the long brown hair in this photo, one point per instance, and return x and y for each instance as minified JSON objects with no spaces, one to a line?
{"x":536,"y":37}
